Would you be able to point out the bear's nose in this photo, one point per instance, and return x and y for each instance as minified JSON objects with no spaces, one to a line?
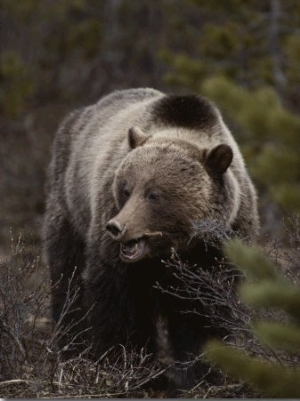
{"x":115,"y":229}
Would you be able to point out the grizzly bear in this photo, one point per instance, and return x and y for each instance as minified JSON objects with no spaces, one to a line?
{"x":131,"y":179}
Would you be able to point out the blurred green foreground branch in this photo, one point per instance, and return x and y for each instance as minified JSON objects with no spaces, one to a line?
{"x":265,"y":288}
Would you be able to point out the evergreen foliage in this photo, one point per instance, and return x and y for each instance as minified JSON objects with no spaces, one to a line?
{"x":253,"y":43}
{"x":245,"y":58}
{"x":265,"y":288}
{"x":17,"y":84}
{"x":269,"y":136}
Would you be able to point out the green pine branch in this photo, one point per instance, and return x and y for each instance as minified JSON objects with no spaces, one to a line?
{"x":271,"y":379}
{"x":279,"y":336}
{"x":266,"y":288}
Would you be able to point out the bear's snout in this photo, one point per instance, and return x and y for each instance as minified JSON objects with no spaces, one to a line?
{"x":115,"y":229}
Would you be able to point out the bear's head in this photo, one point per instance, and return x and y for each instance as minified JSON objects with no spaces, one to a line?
{"x":162,"y":188}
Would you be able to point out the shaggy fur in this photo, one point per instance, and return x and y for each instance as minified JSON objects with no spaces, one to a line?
{"x":131,"y":177}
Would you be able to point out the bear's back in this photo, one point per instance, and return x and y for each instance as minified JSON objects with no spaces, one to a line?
{"x":121,"y":99}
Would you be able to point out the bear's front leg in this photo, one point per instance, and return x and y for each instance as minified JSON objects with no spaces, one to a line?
{"x":182,"y":331}
{"x":107,"y":302}
{"x":64,"y":251}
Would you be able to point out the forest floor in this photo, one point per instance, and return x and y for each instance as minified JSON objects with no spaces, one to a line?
{"x":30,"y":365}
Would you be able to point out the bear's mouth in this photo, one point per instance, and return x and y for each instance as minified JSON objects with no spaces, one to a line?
{"x":133,"y":250}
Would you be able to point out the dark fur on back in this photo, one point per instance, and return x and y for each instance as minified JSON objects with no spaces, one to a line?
{"x":192,"y":112}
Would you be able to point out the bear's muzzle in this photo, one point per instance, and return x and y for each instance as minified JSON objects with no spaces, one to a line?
{"x":115,"y":229}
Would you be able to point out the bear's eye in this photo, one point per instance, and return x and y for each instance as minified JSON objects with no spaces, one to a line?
{"x":153,"y":196}
{"x":126,"y":192}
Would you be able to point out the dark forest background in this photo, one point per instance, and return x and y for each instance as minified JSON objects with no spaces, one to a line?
{"x":57,"y":55}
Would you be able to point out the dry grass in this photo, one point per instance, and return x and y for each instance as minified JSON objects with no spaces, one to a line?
{"x":31,"y":365}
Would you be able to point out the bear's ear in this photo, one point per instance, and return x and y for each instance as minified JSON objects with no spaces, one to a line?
{"x":136,"y":137}
{"x":218,"y":159}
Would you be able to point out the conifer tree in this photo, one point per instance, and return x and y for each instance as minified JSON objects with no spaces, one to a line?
{"x":244,"y":56}
{"x":269,"y":134}
{"x":265,"y":288}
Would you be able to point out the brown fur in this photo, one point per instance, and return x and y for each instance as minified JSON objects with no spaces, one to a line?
{"x":133,"y":175}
